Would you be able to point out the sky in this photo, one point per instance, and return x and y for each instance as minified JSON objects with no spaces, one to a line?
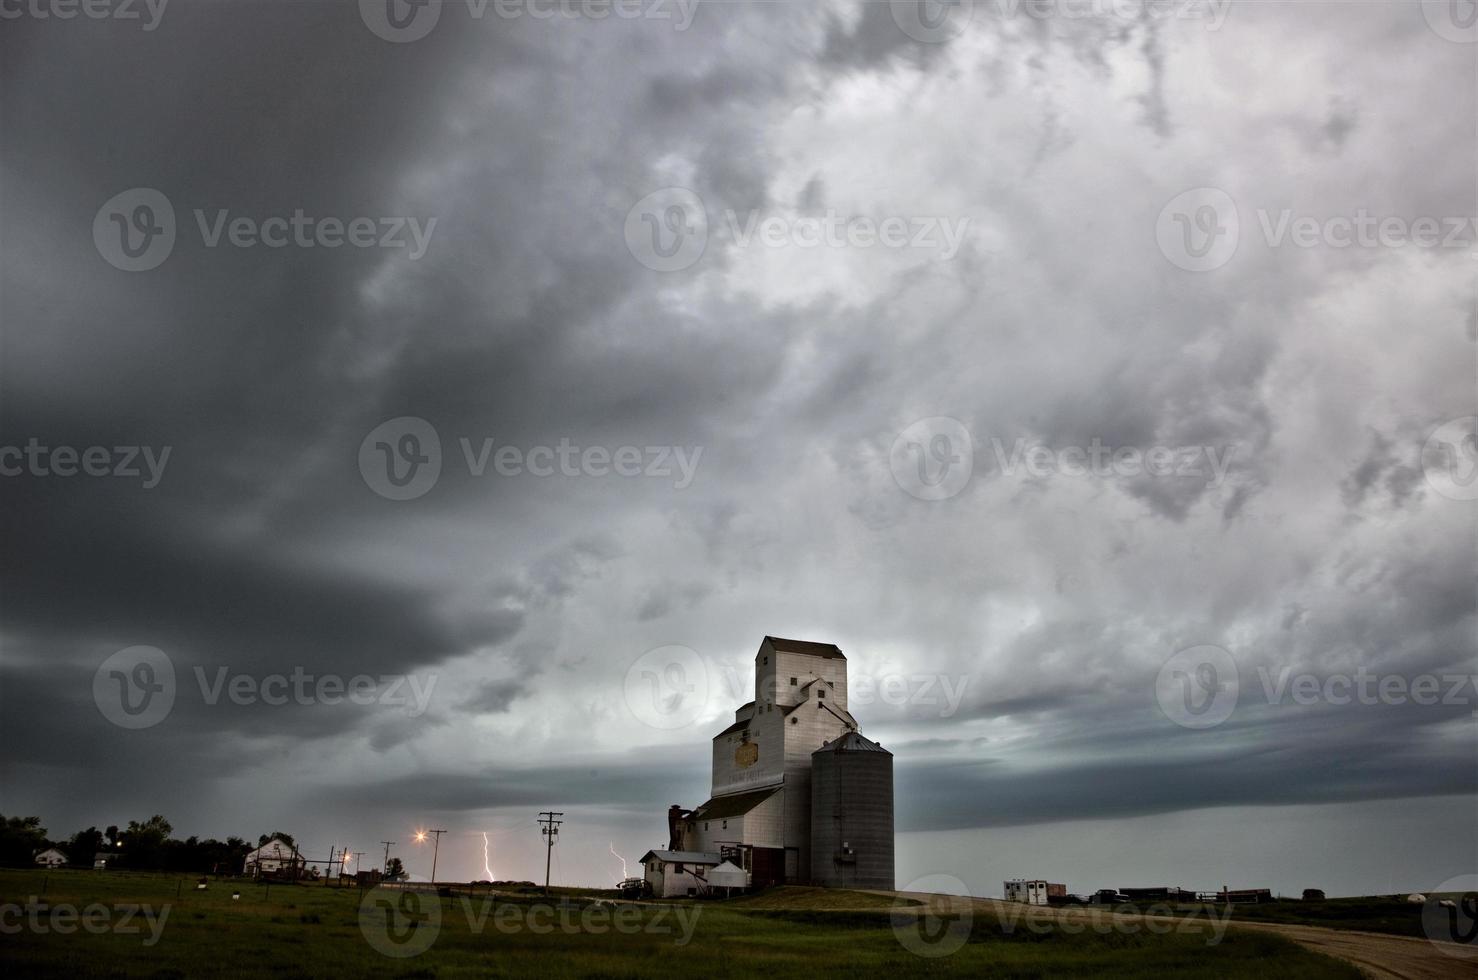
{"x":1099,"y":377}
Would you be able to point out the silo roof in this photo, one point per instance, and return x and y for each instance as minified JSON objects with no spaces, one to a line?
{"x":852,"y":742}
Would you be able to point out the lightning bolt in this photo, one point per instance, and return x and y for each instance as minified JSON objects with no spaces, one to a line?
{"x":621,"y":859}
{"x":485,"y":867}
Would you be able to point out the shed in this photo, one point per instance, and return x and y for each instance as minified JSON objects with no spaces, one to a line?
{"x":728,"y":875}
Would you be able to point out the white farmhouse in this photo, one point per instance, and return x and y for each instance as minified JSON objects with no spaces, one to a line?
{"x":275,"y":856}
{"x":675,"y":873}
{"x":51,"y":858}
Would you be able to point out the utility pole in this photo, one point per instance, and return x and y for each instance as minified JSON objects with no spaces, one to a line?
{"x":435,"y":847}
{"x":549,"y":827}
{"x":328,"y":869}
{"x":385,"y":868}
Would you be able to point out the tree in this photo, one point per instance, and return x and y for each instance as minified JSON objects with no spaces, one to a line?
{"x":143,"y":844}
{"x":83,"y":845}
{"x":285,"y":838}
{"x":155,"y":831}
{"x":20,"y":839}
{"x":394,"y":869}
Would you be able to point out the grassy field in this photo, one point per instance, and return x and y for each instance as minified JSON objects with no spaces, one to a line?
{"x":313,"y":931}
{"x":1388,"y":914}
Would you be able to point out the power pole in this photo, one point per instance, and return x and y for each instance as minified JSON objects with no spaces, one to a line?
{"x":328,"y":870}
{"x":549,"y":827}
{"x":385,"y":869}
{"x":435,"y":848}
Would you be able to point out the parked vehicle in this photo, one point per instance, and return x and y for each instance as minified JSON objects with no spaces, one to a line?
{"x":635,"y":888}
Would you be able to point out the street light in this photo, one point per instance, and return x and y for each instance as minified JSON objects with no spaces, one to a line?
{"x":435,"y":847}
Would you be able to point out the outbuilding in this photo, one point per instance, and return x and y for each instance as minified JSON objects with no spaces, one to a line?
{"x":677,"y":873}
{"x":51,"y":858}
{"x":276,"y":856}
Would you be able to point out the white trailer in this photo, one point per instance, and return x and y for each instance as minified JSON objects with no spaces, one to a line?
{"x":1026,"y":890}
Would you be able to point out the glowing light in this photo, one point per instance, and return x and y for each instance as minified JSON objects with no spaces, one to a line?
{"x":486,"y":869}
{"x":624,"y":875}
{"x":420,"y":836}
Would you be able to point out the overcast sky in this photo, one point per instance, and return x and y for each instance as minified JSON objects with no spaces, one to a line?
{"x":823,"y":320}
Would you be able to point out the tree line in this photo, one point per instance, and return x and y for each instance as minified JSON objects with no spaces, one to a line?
{"x":143,"y":845}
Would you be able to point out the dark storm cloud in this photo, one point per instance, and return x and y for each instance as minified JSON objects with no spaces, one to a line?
{"x":89,"y":568}
{"x":494,"y":696}
{"x":621,"y":782}
{"x":975,"y":795}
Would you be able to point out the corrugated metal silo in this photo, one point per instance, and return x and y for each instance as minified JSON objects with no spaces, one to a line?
{"x":852,"y":814}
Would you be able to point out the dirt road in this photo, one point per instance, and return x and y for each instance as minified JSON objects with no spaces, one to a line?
{"x":1381,"y":956}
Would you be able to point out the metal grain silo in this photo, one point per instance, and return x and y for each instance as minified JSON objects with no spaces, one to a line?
{"x":852,"y":814}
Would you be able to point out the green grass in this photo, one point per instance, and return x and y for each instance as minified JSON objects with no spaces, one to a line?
{"x":314,"y":931}
{"x":798,"y":897}
{"x":1387,"y":914}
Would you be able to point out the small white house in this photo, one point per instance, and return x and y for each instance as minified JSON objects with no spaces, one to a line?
{"x":1029,"y":891}
{"x":677,"y":873}
{"x":51,"y":858}
{"x":277,"y":855}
